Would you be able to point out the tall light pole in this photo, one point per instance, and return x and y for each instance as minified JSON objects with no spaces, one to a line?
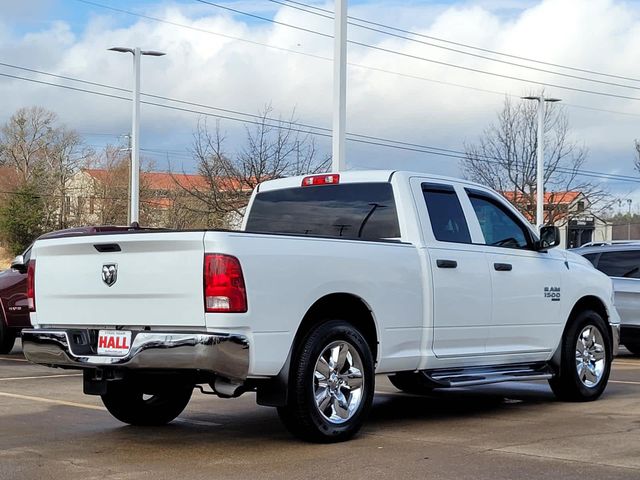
{"x":134,"y":212}
{"x":629,"y":202}
{"x":339,"y":86}
{"x":540,"y":160}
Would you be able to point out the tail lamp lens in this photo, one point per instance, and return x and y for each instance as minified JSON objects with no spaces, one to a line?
{"x":31,"y":285}
{"x":224,"y":289}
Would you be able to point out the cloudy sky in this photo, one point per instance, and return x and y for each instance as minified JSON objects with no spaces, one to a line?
{"x":230,"y":60}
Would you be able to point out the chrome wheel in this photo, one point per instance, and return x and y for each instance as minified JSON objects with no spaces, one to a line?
{"x":591,"y":356}
{"x":338,"y":382}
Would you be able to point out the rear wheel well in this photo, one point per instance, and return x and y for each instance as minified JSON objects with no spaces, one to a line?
{"x":338,"y":306}
{"x":341,"y":306}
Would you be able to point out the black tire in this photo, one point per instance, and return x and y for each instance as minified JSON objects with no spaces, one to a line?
{"x":7,"y":337}
{"x":128,"y":403}
{"x":567,"y":384}
{"x":302,"y":416}
{"x":411,"y":382}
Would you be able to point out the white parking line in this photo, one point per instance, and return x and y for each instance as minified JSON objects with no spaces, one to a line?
{"x":86,"y":406}
{"x":625,"y":382}
{"x":14,"y":359}
{"x":6,"y":379}
{"x":50,"y":400}
{"x":634,"y":364}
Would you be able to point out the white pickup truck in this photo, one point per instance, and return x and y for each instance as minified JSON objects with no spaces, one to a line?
{"x":333,"y":279}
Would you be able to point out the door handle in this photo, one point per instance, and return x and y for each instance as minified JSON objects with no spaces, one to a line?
{"x":503,"y":267}
{"x":447,"y":264}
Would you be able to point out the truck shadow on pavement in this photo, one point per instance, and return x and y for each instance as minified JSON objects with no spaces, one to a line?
{"x":457,"y":403}
{"x":388,"y":410}
{"x":225,"y":424}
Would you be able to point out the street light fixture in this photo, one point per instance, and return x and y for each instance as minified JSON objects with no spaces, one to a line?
{"x":134,"y":213}
{"x":540,"y":170}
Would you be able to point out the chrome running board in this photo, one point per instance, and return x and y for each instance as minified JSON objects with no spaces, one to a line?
{"x":466,"y":377}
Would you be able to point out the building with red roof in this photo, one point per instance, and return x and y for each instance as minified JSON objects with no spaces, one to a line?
{"x":570,"y":211}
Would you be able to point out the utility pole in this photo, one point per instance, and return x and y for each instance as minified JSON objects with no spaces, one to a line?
{"x":540,"y":158}
{"x":339,"y":86}
{"x":134,"y":189}
{"x":629,"y":202}
{"x":134,"y":216}
{"x":129,"y":196}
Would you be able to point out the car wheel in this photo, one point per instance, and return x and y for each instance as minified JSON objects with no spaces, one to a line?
{"x":332,"y":384}
{"x":130,"y":404}
{"x":411,"y":382}
{"x":586,"y":358}
{"x":7,"y":337}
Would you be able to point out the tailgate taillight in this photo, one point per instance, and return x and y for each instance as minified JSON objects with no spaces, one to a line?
{"x":31,"y":285}
{"x":224,"y":289}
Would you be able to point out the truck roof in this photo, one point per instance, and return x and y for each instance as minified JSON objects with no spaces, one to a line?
{"x":358,"y":176}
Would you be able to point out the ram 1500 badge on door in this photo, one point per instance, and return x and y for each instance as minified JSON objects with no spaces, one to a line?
{"x":334,"y":278}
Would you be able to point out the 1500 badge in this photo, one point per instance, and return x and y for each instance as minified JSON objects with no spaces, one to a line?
{"x":553,"y":293}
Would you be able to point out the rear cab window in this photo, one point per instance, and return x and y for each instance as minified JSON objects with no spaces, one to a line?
{"x":446,"y":216}
{"x":364,"y":211}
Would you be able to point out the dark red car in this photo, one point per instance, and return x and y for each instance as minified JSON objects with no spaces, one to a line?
{"x":14,"y":311}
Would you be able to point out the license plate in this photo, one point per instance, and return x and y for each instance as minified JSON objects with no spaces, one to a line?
{"x":114,"y":342}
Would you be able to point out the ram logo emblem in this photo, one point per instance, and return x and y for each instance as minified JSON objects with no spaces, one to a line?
{"x":110,"y":273}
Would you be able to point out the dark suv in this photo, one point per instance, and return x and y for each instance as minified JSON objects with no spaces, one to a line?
{"x":621,"y":262}
{"x":14,"y":311}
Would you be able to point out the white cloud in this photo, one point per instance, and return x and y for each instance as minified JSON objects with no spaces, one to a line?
{"x":599,"y":34}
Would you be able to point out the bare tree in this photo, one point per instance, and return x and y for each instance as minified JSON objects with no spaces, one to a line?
{"x":109,"y":185}
{"x":274,"y":148}
{"x":37,"y":151}
{"x":107,"y":188}
{"x":505,"y":159}
{"x":25,"y":141}
{"x":63,"y":161}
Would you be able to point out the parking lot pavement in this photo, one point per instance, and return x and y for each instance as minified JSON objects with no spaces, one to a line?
{"x":50,"y":430}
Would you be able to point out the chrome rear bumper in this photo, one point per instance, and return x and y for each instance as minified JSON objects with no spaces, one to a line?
{"x":223,"y":354}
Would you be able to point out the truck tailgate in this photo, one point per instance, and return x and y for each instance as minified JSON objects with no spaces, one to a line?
{"x":158,"y":280}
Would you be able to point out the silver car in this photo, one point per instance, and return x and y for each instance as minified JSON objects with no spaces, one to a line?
{"x":621,"y":262}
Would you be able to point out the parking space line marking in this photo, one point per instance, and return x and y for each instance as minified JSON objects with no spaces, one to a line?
{"x":14,"y":359}
{"x":625,"y":382}
{"x":50,"y":400}
{"x":6,"y":379}
{"x":635,"y":364}
{"x":202,"y":423}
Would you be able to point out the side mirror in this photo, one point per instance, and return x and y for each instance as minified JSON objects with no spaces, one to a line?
{"x":549,"y":238}
{"x":18,"y":264}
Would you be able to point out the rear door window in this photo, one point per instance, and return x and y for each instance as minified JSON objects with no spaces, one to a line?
{"x":445,"y":213}
{"x":352,"y":210}
{"x":620,"y":264}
